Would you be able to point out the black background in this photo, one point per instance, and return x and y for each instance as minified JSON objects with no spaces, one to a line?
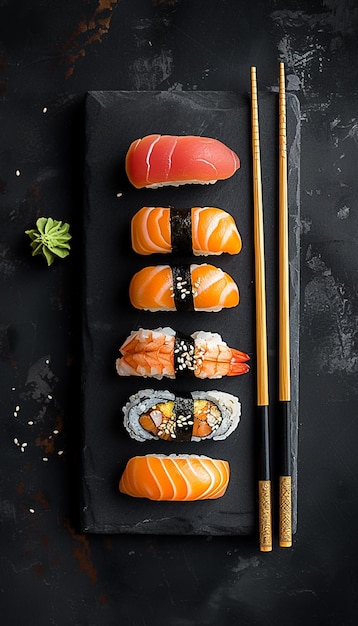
{"x":51,"y":54}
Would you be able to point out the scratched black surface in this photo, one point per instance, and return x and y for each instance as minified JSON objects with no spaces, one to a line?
{"x":113,"y":121}
{"x":51,"y":55}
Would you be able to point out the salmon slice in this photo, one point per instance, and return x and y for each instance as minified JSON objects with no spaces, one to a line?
{"x":175,"y":477}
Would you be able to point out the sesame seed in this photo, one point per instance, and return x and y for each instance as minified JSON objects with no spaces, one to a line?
{"x":60,"y":452}
{"x":55,"y":432}
{"x":44,"y":458}
{"x":16,"y":441}
{"x":17,"y":173}
{"x":31,"y":510}
{"x":49,"y":396}
{"x":30,"y":423}
{"x":44,"y":110}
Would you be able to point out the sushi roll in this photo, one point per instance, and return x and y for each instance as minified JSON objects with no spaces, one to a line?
{"x":157,"y":160}
{"x":199,"y":230}
{"x":197,"y":416}
{"x":183,"y":288}
{"x":163,"y":352}
{"x":177,"y":477}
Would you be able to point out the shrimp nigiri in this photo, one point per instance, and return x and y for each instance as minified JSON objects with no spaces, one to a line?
{"x":157,"y":160}
{"x":183,"y":288}
{"x":200,"y":230}
{"x":165,"y":353}
{"x":177,"y":477}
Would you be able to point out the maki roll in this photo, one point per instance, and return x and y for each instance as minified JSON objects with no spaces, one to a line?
{"x":193,"y":417}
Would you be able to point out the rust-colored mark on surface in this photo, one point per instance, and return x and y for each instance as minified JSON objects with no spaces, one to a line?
{"x":39,"y":569}
{"x":102,"y":599}
{"x":40,"y":498}
{"x":34,"y":193}
{"x":82,"y":553}
{"x":90,"y":29}
{"x":20,"y":487}
{"x":47,"y":442}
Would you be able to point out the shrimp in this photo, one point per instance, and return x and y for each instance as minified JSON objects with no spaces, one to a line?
{"x":164,"y":353}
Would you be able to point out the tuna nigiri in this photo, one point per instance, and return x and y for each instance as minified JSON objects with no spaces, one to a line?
{"x":200,"y":230}
{"x":157,"y":160}
{"x":182,"y":477}
{"x":185,"y":288}
{"x":165,"y":353}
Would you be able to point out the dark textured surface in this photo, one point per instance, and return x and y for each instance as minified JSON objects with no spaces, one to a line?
{"x":51,"y":54}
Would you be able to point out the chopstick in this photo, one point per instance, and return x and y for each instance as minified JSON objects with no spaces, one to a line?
{"x":264,"y":470}
{"x":285,"y":478}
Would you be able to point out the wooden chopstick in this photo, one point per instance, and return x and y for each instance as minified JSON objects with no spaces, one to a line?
{"x":264,"y":470}
{"x":285,"y":478}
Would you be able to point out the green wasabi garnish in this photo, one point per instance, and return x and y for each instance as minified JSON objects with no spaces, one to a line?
{"x":50,"y":238}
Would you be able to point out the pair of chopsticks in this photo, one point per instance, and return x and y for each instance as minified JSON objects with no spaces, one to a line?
{"x":264,"y":477}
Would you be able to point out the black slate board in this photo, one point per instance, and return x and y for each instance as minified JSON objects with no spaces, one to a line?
{"x":113,"y":121}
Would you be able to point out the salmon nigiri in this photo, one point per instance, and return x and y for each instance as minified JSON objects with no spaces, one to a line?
{"x":182,"y":477}
{"x":157,"y":160}
{"x":163,"y":352}
{"x":185,"y":288}
{"x":200,"y":230}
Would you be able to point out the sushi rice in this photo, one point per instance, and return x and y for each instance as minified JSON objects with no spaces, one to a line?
{"x":228,"y":408}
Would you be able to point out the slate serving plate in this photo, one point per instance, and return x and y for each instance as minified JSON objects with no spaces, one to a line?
{"x":113,"y":121}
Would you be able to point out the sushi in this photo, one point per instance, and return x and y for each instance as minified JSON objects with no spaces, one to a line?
{"x":165,"y":353}
{"x":195,"y":416}
{"x":157,"y":160}
{"x":177,"y":477}
{"x":198,"y":230}
{"x":183,"y":288}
